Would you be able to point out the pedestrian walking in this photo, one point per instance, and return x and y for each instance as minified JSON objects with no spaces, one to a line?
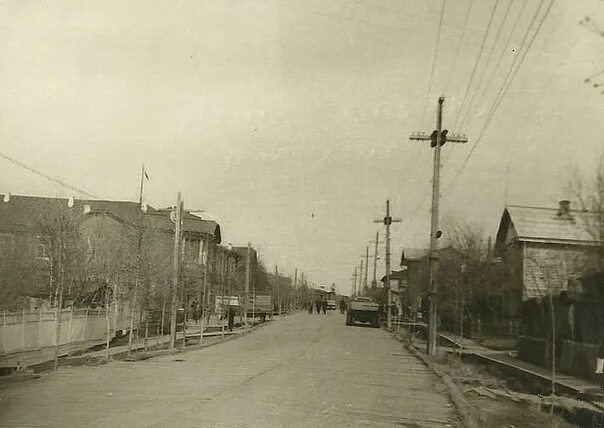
{"x":318,"y":306}
{"x":231,"y":317}
{"x":324,"y":306}
{"x":343,"y":306}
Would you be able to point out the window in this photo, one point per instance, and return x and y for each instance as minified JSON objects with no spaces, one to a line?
{"x":41,"y":251}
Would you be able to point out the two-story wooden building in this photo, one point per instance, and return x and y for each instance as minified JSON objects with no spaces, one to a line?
{"x":101,"y":239}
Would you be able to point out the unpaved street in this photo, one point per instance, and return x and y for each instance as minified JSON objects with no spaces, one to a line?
{"x":302,"y":370}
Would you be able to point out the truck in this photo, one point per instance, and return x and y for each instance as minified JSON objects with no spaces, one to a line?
{"x":260,"y":306}
{"x":363,"y":309}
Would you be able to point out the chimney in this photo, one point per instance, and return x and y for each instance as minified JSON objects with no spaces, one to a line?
{"x":564,"y":208}
{"x":7,"y":197}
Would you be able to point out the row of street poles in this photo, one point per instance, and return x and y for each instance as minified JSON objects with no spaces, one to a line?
{"x":361,"y":273}
{"x":437,"y":139}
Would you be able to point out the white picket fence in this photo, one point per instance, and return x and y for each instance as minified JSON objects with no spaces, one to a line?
{"x":32,"y":330}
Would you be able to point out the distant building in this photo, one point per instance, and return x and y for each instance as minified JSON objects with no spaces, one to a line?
{"x":398,"y":286}
{"x":108,"y":232}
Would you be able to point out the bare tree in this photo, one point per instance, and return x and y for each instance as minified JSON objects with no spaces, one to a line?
{"x":588,"y":190}
{"x":60,"y":245}
{"x":463,"y":272}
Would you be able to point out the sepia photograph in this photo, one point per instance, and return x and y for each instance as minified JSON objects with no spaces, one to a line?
{"x":302,"y":213}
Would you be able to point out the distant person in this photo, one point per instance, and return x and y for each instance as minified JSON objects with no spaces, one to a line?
{"x":343,"y":306}
{"x":324,"y":306}
{"x":231,"y":317}
{"x":309,"y":307}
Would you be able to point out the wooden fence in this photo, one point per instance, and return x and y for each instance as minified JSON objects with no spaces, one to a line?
{"x":32,"y":330}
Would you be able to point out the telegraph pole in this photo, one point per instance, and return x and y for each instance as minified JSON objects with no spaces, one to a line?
{"x":361,"y":280}
{"x":296,"y":286}
{"x":366,"y":268}
{"x":354,"y":281}
{"x":437,"y":139}
{"x":177,"y":225}
{"x":302,"y":296}
{"x":204,"y":298}
{"x":388,"y":220}
{"x":247,"y":285}
{"x":138,"y":260}
{"x":375,"y":259}
{"x":278,"y":282}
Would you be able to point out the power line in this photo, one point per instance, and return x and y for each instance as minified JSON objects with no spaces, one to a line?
{"x":430,"y":80}
{"x":46,"y":176}
{"x":504,"y":49}
{"x":463,"y":34}
{"x":486,"y":66}
{"x":478,"y":57}
{"x":506,"y":84}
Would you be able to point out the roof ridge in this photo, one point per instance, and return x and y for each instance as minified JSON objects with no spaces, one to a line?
{"x":532,"y":207}
{"x":13,"y":195}
{"x":572,"y":210}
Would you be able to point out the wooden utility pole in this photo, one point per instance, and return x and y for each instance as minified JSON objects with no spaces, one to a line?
{"x":437,"y":139}
{"x":222,"y":291}
{"x":387,"y":221}
{"x":205,"y":297}
{"x":354,"y":281}
{"x":247,"y":284}
{"x":139,"y":247}
{"x":200,"y":296}
{"x":360,"y":288}
{"x":278,"y":288}
{"x":302,"y":297}
{"x":296,"y":287}
{"x":366,"y":268}
{"x":176,"y":268}
{"x":58,"y":303}
{"x":375,"y":259}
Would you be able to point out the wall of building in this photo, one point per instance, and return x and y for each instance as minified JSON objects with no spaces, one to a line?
{"x":549,"y":267}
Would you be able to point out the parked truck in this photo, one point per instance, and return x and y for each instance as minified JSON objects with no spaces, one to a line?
{"x":363,"y":309}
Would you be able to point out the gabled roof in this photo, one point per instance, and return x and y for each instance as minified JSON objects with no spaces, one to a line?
{"x":23,"y":213}
{"x":160,"y":219}
{"x":126,"y":211}
{"x":538,"y":224}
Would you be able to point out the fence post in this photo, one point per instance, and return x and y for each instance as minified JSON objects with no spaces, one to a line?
{"x":86,"y":322}
{"x":184,"y":330}
{"x":70,"y":332}
{"x":163,"y":313}
{"x":24,"y":329}
{"x":146,"y":329}
{"x":4,"y":351}
{"x":39,"y":328}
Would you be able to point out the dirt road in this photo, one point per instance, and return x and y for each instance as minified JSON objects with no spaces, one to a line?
{"x":303,"y":370}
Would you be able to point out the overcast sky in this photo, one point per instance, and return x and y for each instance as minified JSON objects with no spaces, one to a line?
{"x":288,"y":121}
